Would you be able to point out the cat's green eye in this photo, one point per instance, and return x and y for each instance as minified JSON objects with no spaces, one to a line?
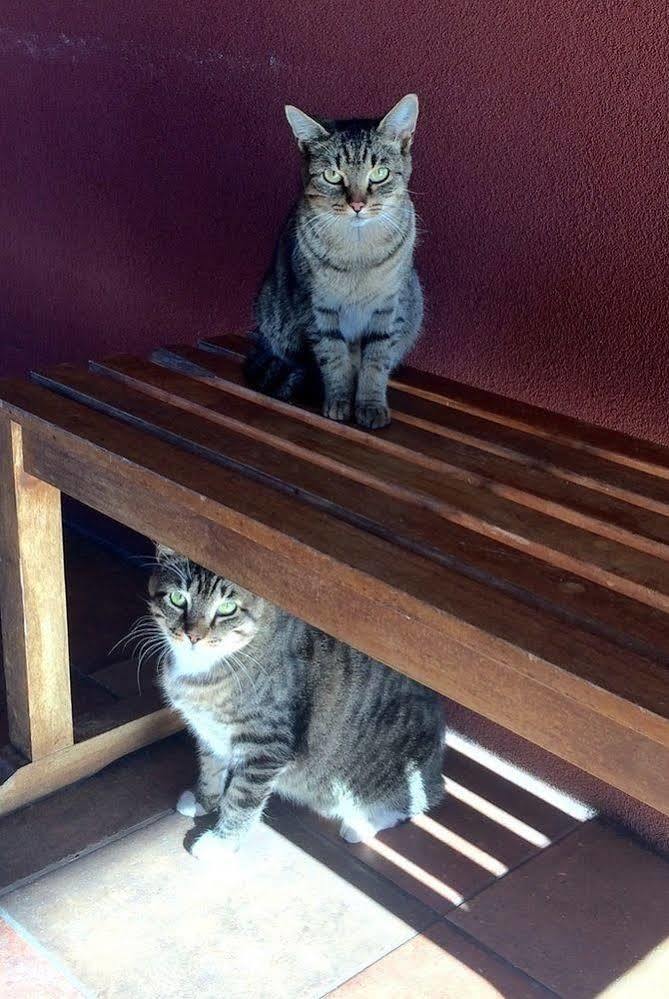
{"x":332,"y":176}
{"x":226,"y":608}
{"x":178,"y":599}
{"x":379,"y":174}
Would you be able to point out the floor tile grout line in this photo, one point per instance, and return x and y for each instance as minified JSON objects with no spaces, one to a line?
{"x":362,"y":865}
{"x":358,"y":863}
{"x":88,"y":851}
{"x":521,"y":863}
{"x":52,"y":959}
{"x":393,"y":950}
{"x":428,"y":905}
{"x":466,"y":936}
{"x":500,"y":957}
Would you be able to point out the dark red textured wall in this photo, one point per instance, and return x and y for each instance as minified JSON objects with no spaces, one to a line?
{"x":146,"y":166}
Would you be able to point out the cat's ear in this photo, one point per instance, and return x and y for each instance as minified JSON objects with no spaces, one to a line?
{"x":305,"y":129}
{"x":163,"y":553}
{"x":400,"y":122}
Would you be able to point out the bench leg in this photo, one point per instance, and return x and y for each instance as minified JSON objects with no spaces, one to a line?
{"x":32,"y":606}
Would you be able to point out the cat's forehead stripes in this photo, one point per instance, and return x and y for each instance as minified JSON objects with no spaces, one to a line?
{"x":190,"y":576}
{"x":352,"y":143}
{"x":354,"y":153}
{"x":208,"y":584}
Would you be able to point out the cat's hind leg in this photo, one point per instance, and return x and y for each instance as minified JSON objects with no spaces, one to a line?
{"x":361,"y":821}
{"x":361,"y":825}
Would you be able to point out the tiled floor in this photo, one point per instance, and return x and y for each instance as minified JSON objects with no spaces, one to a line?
{"x":100,"y":898}
{"x":25,"y":972}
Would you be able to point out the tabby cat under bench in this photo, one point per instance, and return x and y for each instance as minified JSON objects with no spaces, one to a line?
{"x":277,"y":705}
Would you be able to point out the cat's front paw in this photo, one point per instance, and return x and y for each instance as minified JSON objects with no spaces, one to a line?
{"x":337,"y":409}
{"x":189,"y":805}
{"x":372,"y":415}
{"x":213,"y":849}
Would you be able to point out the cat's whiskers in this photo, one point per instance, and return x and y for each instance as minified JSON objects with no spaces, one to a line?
{"x":141,"y":640}
{"x":146,"y":644}
{"x":319,"y":231}
{"x":421,"y":228}
{"x":385,"y":219}
{"x":147,"y":648}
{"x":181,"y":575}
{"x":253,"y":660}
{"x":160,"y":662}
{"x":319,"y":223}
{"x":173,"y":563}
{"x":142,"y":624}
{"x":233,"y":672}
{"x":147,"y":621}
{"x":150,"y":561}
{"x":310,"y":223}
{"x":242,"y":667}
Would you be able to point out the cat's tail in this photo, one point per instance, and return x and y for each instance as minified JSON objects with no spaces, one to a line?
{"x":287,"y":378}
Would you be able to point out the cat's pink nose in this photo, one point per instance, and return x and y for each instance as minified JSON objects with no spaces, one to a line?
{"x":357,"y":206}
{"x":194,"y":639}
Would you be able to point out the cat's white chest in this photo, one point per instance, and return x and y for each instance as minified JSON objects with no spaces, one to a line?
{"x":213,"y":734}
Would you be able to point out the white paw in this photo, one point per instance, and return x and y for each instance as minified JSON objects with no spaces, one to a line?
{"x":388,"y":819}
{"x":361,"y":832}
{"x":213,"y":849}
{"x":189,"y":805}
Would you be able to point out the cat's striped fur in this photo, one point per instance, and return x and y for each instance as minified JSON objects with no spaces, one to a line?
{"x":342,"y":304}
{"x":277,"y":705}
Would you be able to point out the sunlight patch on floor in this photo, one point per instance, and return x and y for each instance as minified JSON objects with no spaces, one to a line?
{"x":496,"y":814}
{"x":521,"y":778}
{"x":424,"y":877}
{"x":463,"y":846}
{"x":649,"y":977}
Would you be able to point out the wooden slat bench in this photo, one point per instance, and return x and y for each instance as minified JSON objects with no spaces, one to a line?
{"x":515,"y":560}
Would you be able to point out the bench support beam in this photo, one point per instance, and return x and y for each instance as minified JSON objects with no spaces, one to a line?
{"x":32,"y":781}
{"x":32,"y":597}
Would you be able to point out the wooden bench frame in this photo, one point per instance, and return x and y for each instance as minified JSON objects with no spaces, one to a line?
{"x":360,"y":586}
{"x":35,"y":643}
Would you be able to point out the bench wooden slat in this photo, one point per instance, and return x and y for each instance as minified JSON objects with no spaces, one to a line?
{"x":398,"y":517}
{"x":560,"y":459}
{"x":611,"y":444}
{"x":618,"y":447}
{"x":626,"y":621}
{"x":533,"y":487}
{"x":619,"y":566}
{"x":381,"y":598}
{"x":235,"y":344}
{"x":466,"y":598}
